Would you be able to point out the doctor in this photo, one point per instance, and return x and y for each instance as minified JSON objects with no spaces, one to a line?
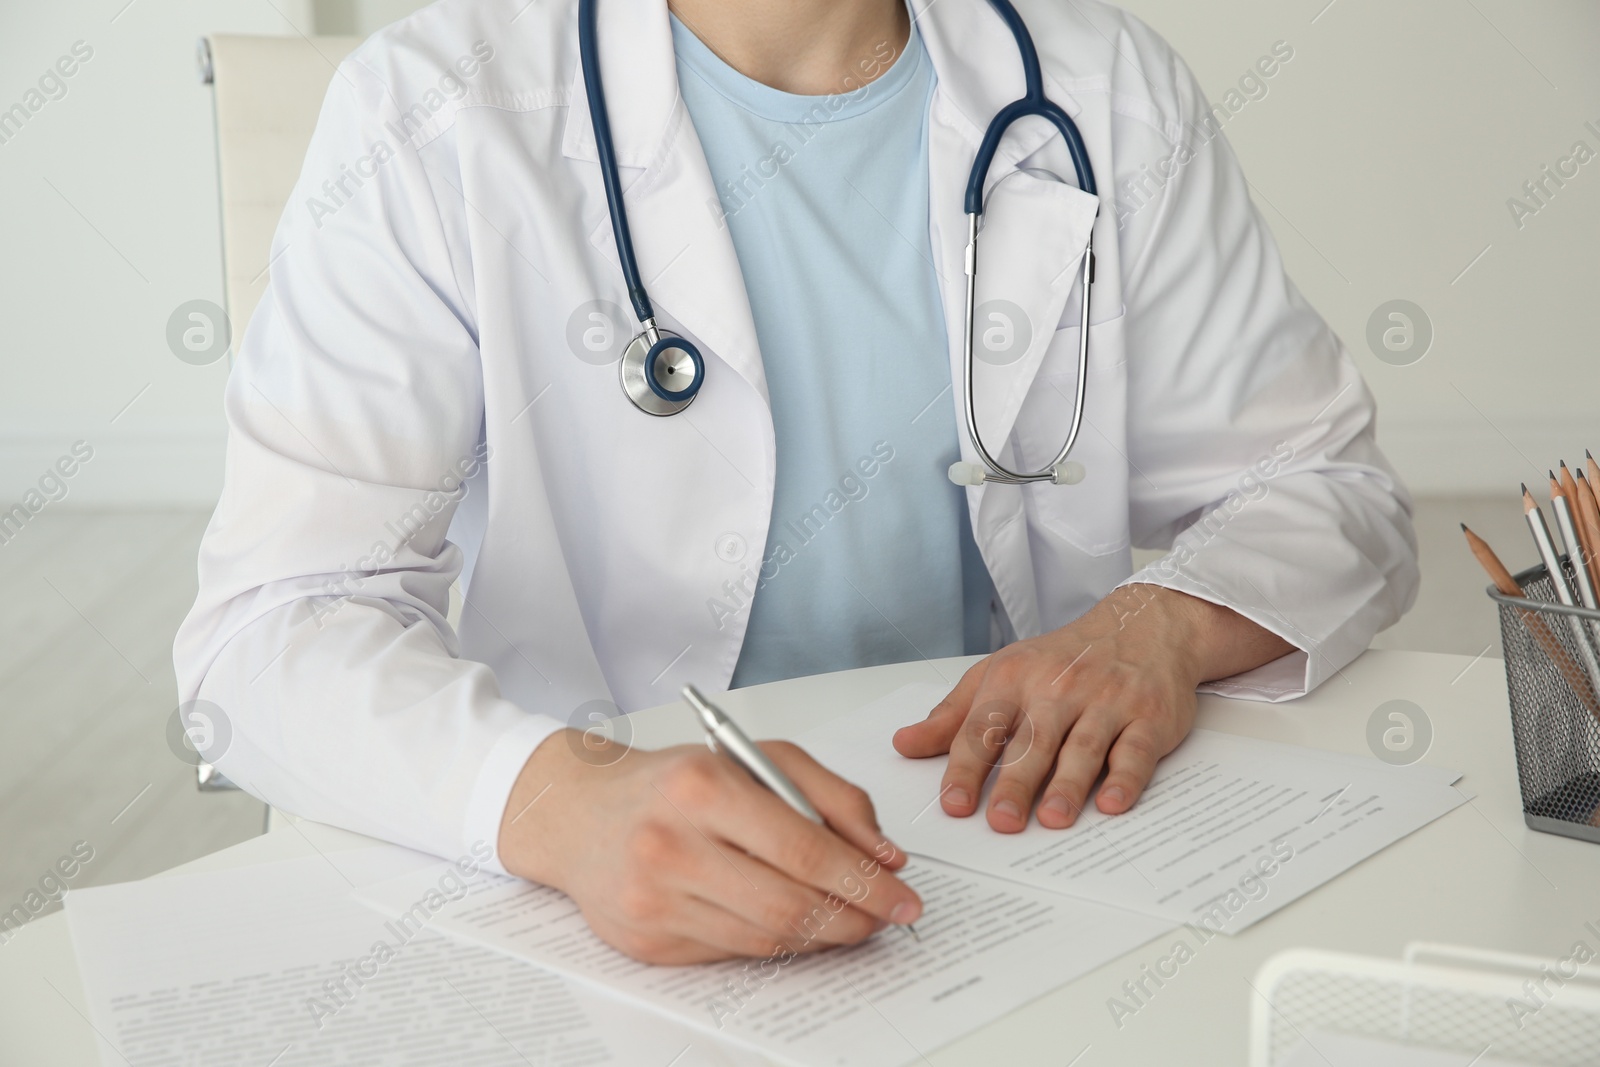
{"x":432,"y":389}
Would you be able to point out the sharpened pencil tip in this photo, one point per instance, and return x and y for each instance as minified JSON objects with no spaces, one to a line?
{"x":1563,"y":464}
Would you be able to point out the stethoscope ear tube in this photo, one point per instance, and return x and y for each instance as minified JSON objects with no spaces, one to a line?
{"x":1033,"y":103}
{"x":1058,"y":471}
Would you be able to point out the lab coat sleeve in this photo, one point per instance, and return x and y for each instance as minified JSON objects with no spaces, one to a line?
{"x":355,"y":415}
{"x":1250,"y":431}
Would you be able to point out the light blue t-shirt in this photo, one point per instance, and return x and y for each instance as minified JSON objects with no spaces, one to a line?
{"x":870,"y":557}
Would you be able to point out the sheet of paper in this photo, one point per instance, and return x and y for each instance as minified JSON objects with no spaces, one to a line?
{"x":1230,"y":829}
{"x":1327,"y":1049}
{"x":276,"y":964}
{"x":986,"y":947}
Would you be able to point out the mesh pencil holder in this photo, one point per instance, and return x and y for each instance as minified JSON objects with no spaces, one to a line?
{"x":1553,"y":677}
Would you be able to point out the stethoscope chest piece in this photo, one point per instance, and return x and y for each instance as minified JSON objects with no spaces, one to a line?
{"x":661,"y":377}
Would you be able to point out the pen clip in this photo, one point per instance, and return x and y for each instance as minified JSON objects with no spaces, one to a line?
{"x":709,"y":715}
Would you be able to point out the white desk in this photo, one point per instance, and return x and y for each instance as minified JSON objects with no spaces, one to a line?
{"x":1476,"y":876}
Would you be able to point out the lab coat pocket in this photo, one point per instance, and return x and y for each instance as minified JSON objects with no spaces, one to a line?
{"x":1092,"y":515}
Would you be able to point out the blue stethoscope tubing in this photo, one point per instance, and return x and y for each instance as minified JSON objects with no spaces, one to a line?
{"x":649,"y":358}
{"x":660,"y":356}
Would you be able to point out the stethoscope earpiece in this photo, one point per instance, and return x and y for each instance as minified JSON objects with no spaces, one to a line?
{"x":963,"y":473}
{"x":1067,"y":472}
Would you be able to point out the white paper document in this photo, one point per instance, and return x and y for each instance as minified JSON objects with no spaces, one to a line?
{"x":1230,"y":829}
{"x":276,"y":964}
{"x":986,"y":947}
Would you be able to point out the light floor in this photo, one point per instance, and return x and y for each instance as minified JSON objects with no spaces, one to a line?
{"x":92,"y":599}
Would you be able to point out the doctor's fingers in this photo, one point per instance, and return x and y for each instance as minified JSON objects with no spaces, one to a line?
{"x":788,"y":914}
{"x":673,"y":932}
{"x":933,"y":735}
{"x":1084,"y":754}
{"x":979,"y":744}
{"x":847,"y":807}
{"x":1132,"y":763}
{"x":1028,"y":760}
{"x":768,"y":829}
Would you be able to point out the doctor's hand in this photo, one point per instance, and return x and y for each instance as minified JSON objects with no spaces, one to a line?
{"x":679,"y":856}
{"x":1112,"y":692}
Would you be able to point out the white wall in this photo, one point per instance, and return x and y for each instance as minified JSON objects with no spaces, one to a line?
{"x":1383,"y":155}
{"x":359,"y":16}
{"x":108,"y":222}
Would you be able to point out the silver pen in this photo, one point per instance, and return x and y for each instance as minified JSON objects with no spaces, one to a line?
{"x":723,"y":735}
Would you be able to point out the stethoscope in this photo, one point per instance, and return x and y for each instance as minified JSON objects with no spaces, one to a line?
{"x":662,"y":372}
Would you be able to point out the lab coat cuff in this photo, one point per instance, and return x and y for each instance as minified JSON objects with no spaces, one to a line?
{"x":486,"y":808}
{"x":1285,"y":678}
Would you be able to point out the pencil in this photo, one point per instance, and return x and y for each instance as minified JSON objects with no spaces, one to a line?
{"x":1589,"y":525}
{"x":1558,"y":578}
{"x":1569,"y":489}
{"x":1569,"y":486}
{"x":1546,"y":544}
{"x":1491,"y":563}
{"x":1535,"y":624}
{"x":1567,"y":523}
{"x":1594,"y":492}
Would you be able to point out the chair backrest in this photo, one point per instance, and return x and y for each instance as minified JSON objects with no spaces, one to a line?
{"x":268,"y":93}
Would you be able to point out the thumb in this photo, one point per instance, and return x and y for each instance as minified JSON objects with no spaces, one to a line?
{"x":933,"y":735}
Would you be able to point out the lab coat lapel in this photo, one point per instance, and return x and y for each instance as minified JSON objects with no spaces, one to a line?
{"x":680,"y":238}
{"x":689,"y":267}
{"x":1031,"y":242}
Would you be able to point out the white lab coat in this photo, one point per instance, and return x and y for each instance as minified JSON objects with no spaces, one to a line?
{"x":423,"y":298}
